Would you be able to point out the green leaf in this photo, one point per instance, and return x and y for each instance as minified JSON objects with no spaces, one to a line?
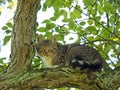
{"x":1,"y":60}
{"x":63,"y":12}
{"x":90,"y":38}
{"x":112,"y":19}
{"x":88,"y":3}
{"x":67,"y":3}
{"x":71,"y":38}
{"x":56,"y":15}
{"x":72,"y":24}
{"x":82,"y":23}
{"x":8,"y":31}
{"x":57,"y":29}
{"x":98,"y":18}
{"x":60,"y":37}
{"x":107,"y":48}
{"x":47,"y":3}
{"x":9,"y":0}
{"x":63,"y":30}
{"x":9,"y":25}
{"x":75,"y":14}
{"x":36,"y":61}
{"x":108,"y":7}
{"x":46,"y":21}
{"x":44,"y":7}
{"x":6,"y":40}
{"x":42,"y":29}
{"x":79,"y":30}
{"x":105,"y":33}
{"x":58,"y":3}
{"x":92,"y":29}
{"x":61,"y":88}
{"x":4,"y":28}
{"x":50,"y":26}
{"x":66,"y":20}
{"x":100,"y":10}
{"x":90,"y":21}
{"x":118,"y":64}
{"x":53,"y":18}
{"x":48,"y":35}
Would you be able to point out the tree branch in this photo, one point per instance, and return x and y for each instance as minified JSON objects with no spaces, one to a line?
{"x":51,"y":78}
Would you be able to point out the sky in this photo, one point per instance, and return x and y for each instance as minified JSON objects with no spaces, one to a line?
{"x":5,"y":16}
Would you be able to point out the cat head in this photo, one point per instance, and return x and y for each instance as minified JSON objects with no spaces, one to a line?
{"x":46,"y":48}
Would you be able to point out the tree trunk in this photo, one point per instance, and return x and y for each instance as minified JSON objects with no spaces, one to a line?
{"x":23,"y":36}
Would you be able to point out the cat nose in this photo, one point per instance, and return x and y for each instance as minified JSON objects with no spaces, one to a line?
{"x":46,"y":52}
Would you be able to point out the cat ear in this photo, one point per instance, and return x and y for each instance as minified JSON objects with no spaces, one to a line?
{"x":53,"y":40}
{"x":39,"y":38}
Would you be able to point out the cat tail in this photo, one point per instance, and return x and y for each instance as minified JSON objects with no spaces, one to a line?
{"x":96,"y":64}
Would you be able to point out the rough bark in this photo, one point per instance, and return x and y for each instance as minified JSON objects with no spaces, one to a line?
{"x":55,"y":78}
{"x":23,"y":36}
{"x":51,"y":78}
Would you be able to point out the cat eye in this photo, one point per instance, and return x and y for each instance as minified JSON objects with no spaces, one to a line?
{"x":55,"y":48}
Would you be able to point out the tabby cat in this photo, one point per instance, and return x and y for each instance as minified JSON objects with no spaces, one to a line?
{"x":73,"y":55}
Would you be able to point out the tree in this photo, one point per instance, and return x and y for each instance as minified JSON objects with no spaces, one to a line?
{"x":96,"y":24}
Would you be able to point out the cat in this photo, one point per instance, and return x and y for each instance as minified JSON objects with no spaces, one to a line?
{"x":72,"y":55}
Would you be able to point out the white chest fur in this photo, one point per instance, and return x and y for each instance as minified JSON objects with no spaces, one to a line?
{"x":47,"y":61}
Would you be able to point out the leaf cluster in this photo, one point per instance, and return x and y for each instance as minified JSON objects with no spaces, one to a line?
{"x":7,"y":29}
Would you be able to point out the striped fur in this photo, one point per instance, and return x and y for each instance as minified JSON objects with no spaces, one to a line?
{"x":72,"y":55}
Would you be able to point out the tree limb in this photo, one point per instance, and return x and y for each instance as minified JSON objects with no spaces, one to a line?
{"x":51,"y":78}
